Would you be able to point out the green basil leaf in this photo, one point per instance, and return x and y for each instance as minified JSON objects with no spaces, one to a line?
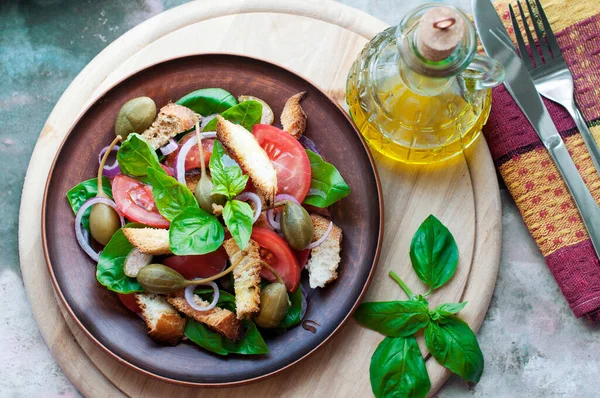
{"x":394,"y":318}
{"x":194,"y":231}
{"x":171,"y":196}
{"x":447,"y":309}
{"x":246,"y":114}
{"x":327,"y":181}
{"x":84,"y":191}
{"x":227,"y":177}
{"x":454,"y":345}
{"x":251,"y":343}
{"x":239,"y":217}
{"x":109,"y":271}
{"x":433,"y":253}
{"x":398,"y":370}
{"x":208,"y":101}
{"x":135,"y":156}
{"x":204,"y":337}
{"x":292,"y":316}
{"x":226,"y":299}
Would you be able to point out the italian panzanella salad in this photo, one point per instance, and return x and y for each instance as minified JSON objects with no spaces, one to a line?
{"x":208,"y":217}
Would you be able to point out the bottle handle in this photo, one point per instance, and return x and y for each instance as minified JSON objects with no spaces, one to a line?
{"x":486,"y":72}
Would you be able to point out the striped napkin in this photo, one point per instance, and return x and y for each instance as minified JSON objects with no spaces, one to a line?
{"x":528,"y":171}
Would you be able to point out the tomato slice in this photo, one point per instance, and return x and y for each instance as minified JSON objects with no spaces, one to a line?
{"x":192,"y":160}
{"x":128,"y":301}
{"x":289,"y":159}
{"x":302,"y":257}
{"x":198,"y":266}
{"x":276,"y":252}
{"x":134,"y":199}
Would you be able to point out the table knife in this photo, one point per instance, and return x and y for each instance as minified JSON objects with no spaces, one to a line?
{"x":498,"y":45}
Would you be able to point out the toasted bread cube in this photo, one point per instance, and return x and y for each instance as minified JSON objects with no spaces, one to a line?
{"x":293,"y":118}
{"x":165,"y":325}
{"x":171,"y":120}
{"x":153,"y":241}
{"x":246,"y":277}
{"x":135,"y":261}
{"x":325,"y":258}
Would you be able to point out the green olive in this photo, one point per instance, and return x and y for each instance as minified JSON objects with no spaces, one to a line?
{"x":135,"y":116}
{"x":104,"y":222}
{"x":296,"y":225}
{"x":274,"y":303}
{"x":160,"y":279}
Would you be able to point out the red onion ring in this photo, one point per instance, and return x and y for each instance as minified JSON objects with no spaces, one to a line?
{"x":207,"y":119}
{"x":271,"y":218}
{"x":316,"y":192}
{"x":322,"y":239}
{"x":285,"y":196}
{"x":244,"y":196}
{"x":82,"y":239}
{"x":112,"y":170}
{"x":308,"y":144}
{"x":169,"y":148}
{"x":183,"y":152}
{"x":304,"y":304}
{"x":189,"y":296}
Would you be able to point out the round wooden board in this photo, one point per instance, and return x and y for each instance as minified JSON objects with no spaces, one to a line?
{"x":318,"y":40}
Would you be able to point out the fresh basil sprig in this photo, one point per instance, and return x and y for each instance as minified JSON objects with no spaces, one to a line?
{"x":397,"y":367}
{"x":326,"y":181}
{"x":135,"y":156}
{"x":171,"y":196}
{"x":84,"y":191}
{"x":246,"y":114}
{"x":194,"y":231}
{"x":292,"y":316}
{"x":208,"y":101}
{"x":238,"y":217}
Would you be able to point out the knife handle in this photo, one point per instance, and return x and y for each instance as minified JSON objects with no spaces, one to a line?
{"x":588,"y":208}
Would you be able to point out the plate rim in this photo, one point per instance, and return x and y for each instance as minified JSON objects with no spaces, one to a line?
{"x":127,"y":363}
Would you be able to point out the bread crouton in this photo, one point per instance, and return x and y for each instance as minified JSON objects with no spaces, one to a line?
{"x":165,"y":325}
{"x":246,"y":277}
{"x":149,"y":240}
{"x":135,"y":261}
{"x":171,"y":120}
{"x":192,"y":178}
{"x":254,"y":161}
{"x":218,"y":319}
{"x":324,"y":259}
{"x":293,"y":118}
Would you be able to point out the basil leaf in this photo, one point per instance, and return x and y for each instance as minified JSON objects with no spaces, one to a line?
{"x":246,"y":114}
{"x":194,"y":231}
{"x":433,"y":253}
{"x":394,"y":318}
{"x":454,"y":345}
{"x":251,"y":343}
{"x":208,"y":101}
{"x":204,"y":337}
{"x":325,"y":180}
{"x":227,"y":178}
{"x":238,"y":217}
{"x":447,"y":309}
{"x":226,"y":299}
{"x":398,"y":370}
{"x":292,"y":316}
{"x":109,"y":271}
{"x":83,"y":192}
{"x":171,"y":196}
{"x":135,"y":156}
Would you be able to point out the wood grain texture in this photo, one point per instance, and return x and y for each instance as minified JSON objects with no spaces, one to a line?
{"x":320,"y":40}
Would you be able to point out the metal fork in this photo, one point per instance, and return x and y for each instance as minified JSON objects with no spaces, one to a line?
{"x":551,"y":75}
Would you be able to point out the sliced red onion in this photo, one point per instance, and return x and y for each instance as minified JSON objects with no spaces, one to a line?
{"x":316,"y":192}
{"x":83,"y":239}
{"x":189,"y":296}
{"x":271,"y":219}
{"x":322,"y":239}
{"x":169,"y":148}
{"x":183,"y":152}
{"x":244,"y":196}
{"x":304,"y":304}
{"x":308,"y":144}
{"x":285,"y":196}
{"x":207,"y":119}
{"x":109,"y":171}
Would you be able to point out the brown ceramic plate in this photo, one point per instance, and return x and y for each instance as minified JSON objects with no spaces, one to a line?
{"x":121,"y":333}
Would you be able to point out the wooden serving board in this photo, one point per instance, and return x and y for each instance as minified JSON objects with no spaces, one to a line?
{"x":320,"y":40}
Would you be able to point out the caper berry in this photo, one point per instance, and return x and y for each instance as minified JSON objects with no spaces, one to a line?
{"x":296,"y":225}
{"x":274,"y":303}
{"x":104,"y":222}
{"x":160,"y":279}
{"x":135,"y":116}
{"x":204,"y":195}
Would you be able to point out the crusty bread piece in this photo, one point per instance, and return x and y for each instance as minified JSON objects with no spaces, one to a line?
{"x":135,"y":261}
{"x":324,"y":259}
{"x":293,"y":118}
{"x":191,"y":180}
{"x":171,"y":120}
{"x":165,"y":325}
{"x":149,"y":240}
{"x":254,"y":161}
{"x":246,"y":277}
{"x":218,"y":319}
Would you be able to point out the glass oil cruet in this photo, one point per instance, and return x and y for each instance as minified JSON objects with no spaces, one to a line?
{"x":419,"y":92}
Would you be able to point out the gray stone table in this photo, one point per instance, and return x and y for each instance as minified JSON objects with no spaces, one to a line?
{"x":532,"y":344}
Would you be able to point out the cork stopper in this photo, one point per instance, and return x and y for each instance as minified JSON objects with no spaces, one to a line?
{"x":441,"y":29}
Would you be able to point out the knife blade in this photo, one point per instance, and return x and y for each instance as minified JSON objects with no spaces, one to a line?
{"x":498,"y":45}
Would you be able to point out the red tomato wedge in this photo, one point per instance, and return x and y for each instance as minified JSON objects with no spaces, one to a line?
{"x":135,"y":201}
{"x":289,"y":159}
{"x":198,"y":266}
{"x":192,"y":160}
{"x":275,"y":251}
{"x":128,"y":301}
{"x":302,"y":257}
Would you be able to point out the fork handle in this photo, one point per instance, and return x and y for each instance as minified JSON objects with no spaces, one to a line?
{"x":586,"y":134}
